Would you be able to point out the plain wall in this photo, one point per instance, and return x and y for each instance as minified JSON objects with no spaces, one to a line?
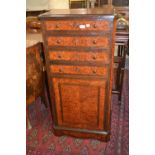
{"x":46,"y":4}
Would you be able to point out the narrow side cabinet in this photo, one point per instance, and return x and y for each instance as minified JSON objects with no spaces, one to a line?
{"x":79,"y":53}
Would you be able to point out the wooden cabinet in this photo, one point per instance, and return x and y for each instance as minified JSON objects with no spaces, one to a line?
{"x":79,"y":53}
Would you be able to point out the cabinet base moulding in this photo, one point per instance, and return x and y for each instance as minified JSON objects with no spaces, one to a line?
{"x":82,"y":133}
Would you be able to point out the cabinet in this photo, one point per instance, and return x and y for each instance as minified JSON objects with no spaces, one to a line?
{"x":79,"y":49}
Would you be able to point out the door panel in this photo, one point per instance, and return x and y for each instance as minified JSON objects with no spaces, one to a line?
{"x":80,"y":103}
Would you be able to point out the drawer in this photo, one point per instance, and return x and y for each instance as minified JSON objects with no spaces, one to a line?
{"x":83,"y":70}
{"x":92,"y":41}
{"x":79,"y":56}
{"x":78,"y":25}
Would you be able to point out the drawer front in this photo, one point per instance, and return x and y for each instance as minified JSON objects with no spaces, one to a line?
{"x":79,"y":56}
{"x":78,"y":41}
{"x":78,"y":25}
{"x":82,"y":70}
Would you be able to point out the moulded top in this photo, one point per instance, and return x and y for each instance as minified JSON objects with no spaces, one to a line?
{"x":78,"y":13}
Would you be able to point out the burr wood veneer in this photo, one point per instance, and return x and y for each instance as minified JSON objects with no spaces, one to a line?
{"x":79,"y":48}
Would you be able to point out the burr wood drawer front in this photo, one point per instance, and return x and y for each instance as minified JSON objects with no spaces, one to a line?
{"x":78,"y":25}
{"x":93,"y":41}
{"x":82,"y":70}
{"x":79,"y":56}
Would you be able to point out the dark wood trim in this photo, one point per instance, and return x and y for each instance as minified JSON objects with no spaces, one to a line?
{"x":102,"y":136}
{"x":51,"y":90}
{"x":79,"y":48}
{"x":82,"y":130}
{"x":78,"y":63}
{"x":75,"y":17}
{"x":77,"y":76}
{"x":98,"y":107}
{"x":74,"y":33}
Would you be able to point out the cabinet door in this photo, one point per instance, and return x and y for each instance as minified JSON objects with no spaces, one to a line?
{"x":80,"y":103}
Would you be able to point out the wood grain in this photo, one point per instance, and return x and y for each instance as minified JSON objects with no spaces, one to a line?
{"x":82,"y":56}
{"x":83,"y":70}
{"x":75,"y":25}
{"x":78,"y":41}
{"x":76,"y":110}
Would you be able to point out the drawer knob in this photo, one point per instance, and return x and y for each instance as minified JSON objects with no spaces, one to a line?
{"x":60,"y":70}
{"x":94,"y":57}
{"x":57,"y":26}
{"x":94,"y":71}
{"x":58,"y":41}
{"x":59,"y":56}
{"x":95,"y":26}
{"x":94,"y":41}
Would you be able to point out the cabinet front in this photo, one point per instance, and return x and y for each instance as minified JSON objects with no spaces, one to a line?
{"x":80,"y":103}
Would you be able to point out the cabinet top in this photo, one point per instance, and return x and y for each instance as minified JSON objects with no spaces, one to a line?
{"x":80,"y":13}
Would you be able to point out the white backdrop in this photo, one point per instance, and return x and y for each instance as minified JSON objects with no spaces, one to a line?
{"x":46,"y":4}
{"x":36,"y":4}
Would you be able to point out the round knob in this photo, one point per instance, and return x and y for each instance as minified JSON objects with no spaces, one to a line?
{"x":95,"y":26}
{"x":94,"y":57}
{"x":57,"y":26}
{"x":94,"y":41}
{"x":59,"y":56}
{"x":60,"y":70}
{"x":58,"y":41}
{"x":94,"y":71}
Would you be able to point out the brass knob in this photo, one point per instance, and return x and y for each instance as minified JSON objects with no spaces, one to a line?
{"x":59,"y":56}
{"x":94,"y":41}
{"x":57,"y":26}
{"x":60,"y":70}
{"x":94,"y":57}
{"x":58,"y":41}
{"x":95,"y":26}
{"x":94,"y":71}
